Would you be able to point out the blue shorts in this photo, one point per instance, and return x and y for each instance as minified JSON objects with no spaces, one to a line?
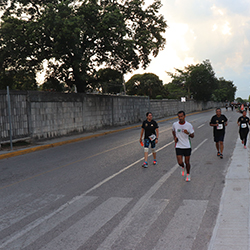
{"x":219,"y":138}
{"x":147,"y":142}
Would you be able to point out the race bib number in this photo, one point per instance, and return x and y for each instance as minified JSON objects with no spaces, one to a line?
{"x":243,"y":125}
{"x":152,"y":137}
{"x":220,"y":126}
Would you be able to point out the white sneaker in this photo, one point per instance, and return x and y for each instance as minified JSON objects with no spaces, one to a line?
{"x":188,"y":178}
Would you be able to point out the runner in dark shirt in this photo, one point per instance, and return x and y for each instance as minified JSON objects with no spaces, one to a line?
{"x":151,"y":132}
{"x":243,"y":123}
{"x":219,"y":122}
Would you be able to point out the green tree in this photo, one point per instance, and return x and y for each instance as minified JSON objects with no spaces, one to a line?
{"x":202,"y":81}
{"x":20,"y":80}
{"x":239,"y":100}
{"x":174,"y":91}
{"x":78,"y":37}
{"x":147,"y":84}
{"x":109,"y":81}
{"x":197,"y":80}
{"x":52,"y":84}
{"x":225,"y":91}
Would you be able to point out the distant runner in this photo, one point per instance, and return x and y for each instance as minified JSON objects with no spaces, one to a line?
{"x":242,"y":108}
{"x":150,"y":129}
{"x":219,"y":122}
{"x":182,"y":132}
{"x":243,"y":123}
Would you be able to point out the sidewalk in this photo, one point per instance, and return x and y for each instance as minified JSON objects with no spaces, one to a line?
{"x":232,"y":229}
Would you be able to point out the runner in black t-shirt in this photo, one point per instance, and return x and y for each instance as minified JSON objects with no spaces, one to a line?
{"x":151,"y":132}
{"x":219,"y":122}
{"x":243,"y":123}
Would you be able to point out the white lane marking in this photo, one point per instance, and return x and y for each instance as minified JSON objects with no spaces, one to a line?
{"x":122,"y":170}
{"x":135,"y":228}
{"x":201,"y":125}
{"x":199,"y":145}
{"x":141,"y":223}
{"x":48,"y":225}
{"x":37,"y":222}
{"x":176,"y":235}
{"x":110,"y":240}
{"x":81,"y":231}
{"x":24,"y":210}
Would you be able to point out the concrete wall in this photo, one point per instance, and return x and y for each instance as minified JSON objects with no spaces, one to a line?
{"x":40,"y":115}
{"x":19,"y":111}
{"x":165,"y":108}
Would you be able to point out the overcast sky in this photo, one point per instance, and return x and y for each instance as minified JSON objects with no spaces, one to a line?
{"x":218,"y":30}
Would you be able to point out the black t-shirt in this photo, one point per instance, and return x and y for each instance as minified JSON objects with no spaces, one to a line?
{"x":244,"y":122}
{"x":219,"y":130}
{"x":149,"y":128}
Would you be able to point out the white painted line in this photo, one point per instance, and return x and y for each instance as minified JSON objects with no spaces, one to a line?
{"x":110,"y":240}
{"x":201,"y":125}
{"x":199,"y":145}
{"x":21,"y":212}
{"x":176,"y":235}
{"x":122,"y":170}
{"x":130,"y":231}
{"x":140,"y":203}
{"x":141,"y":223}
{"x":48,"y":225}
{"x":75,"y":236}
{"x":37,"y":222}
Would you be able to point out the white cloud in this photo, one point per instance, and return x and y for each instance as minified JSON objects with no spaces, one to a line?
{"x":226,"y":30}
{"x":218,"y":30}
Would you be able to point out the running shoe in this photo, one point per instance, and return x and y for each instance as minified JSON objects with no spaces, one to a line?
{"x":155,"y":162}
{"x":145,"y":165}
{"x":242,"y":142}
{"x":188,"y":178}
{"x":182,"y":171}
{"x":218,"y":153}
{"x":245,"y":147}
{"x":221,"y":156}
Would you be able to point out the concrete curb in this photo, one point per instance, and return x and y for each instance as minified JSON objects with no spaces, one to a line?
{"x":232,"y":224}
{"x":56,"y":144}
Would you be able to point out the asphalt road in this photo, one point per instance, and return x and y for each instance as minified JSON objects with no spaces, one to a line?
{"x":94,"y":194}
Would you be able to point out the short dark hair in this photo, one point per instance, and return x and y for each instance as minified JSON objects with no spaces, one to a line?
{"x":218,"y":109}
{"x":181,"y":112}
{"x":148,"y":114}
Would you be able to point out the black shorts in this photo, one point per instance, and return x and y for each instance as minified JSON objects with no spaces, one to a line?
{"x":219,"y":138}
{"x":183,"y":151}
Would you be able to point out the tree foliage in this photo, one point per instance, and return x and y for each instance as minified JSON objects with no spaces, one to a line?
{"x":109,"y":81}
{"x":174,"y":91}
{"x":77,"y":37}
{"x":199,"y":81}
{"x":225,"y":91}
{"x":147,"y":84}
